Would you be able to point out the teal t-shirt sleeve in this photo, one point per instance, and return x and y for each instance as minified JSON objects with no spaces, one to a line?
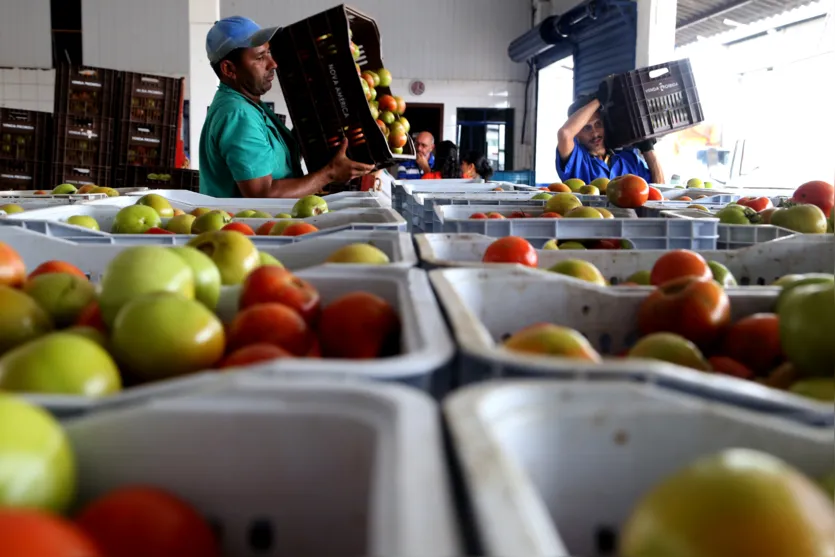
{"x":244,"y":146}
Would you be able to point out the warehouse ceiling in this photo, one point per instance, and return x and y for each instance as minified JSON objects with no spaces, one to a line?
{"x":703,"y":18}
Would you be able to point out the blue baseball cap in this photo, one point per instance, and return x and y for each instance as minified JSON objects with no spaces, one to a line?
{"x":235,"y":32}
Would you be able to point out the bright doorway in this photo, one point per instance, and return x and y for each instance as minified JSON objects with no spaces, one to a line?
{"x":554,"y":94}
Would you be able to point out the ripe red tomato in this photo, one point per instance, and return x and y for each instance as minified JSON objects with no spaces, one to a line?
{"x":91,"y":317}
{"x":359,"y":325}
{"x":755,"y":342}
{"x":756,"y":203}
{"x":144,"y":521}
{"x":511,"y":249}
{"x":253,"y":354}
{"x":30,"y":533}
{"x":684,"y":198}
{"x":654,"y":194}
{"x":397,"y":140}
{"x":271,"y":284}
{"x":696,"y":308}
{"x":729,"y":366}
{"x":12,"y":269}
{"x":56,"y":267}
{"x":241,"y":227}
{"x":270,"y":323}
{"x":387,"y":103}
{"x":519,"y":215}
{"x":550,"y":215}
{"x":679,"y":263}
{"x":157,"y":230}
{"x":817,"y":193}
{"x":264,"y":229}
{"x":299,"y":229}
{"x":478,"y":216}
{"x":628,"y":191}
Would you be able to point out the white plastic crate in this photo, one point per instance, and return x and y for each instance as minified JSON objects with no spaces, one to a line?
{"x":202,"y":200}
{"x":554,"y":468}
{"x":426,"y":348}
{"x":402,"y":190}
{"x":485,"y":305}
{"x":661,"y":233}
{"x":14,"y":196}
{"x":356,"y":219}
{"x":420,"y":208}
{"x":92,"y":255}
{"x":760,"y":264}
{"x":234,"y":205}
{"x":734,"y":236}
{"x":293,"y":467}
{"x":712,"y":196}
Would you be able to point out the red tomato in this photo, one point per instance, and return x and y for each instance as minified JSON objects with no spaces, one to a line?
{"x":91,"y":317}
{"x":145,"y":521}
{"x":387,"y":103}
{"x":158,"y":230}
{"x":272,"y":284}
{"x":756,"y":203}
{"x":270,"y":323}
{"x":679,"y":263}
{"x":755,"y":342}
{"x":56,"y":267}
{"x":241,"y":227}
{"x":478,"y":216}
{"x":684,"y":198}
{"x":253,"y":354}
{"x":696,"y":308}
{"x":264,"y":229}
{"x":520,"y":215}
{"x":729,"y":366}
{"x":359,"y":325}
{"x":654,"y":194}
{"x":12,"y":269}
{"x":511,"y":249}
{"x":817,"y":193}
{"x":299,"y":229}
{"x":29,"y":533}
{"x":550,"y":215}
{"x":628,"y":191}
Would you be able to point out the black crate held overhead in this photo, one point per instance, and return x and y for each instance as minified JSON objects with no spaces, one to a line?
{"x":157,"y":177}
{"x":85,"y":91}
{"x":651,"y":102}
{"x":80,"y":175}
{"x":83,"y":141}
{"x":320,"y":83}
{"x":25,"y":135}
{"x":146,"y":145}
{"x":150,"y":99}
{"x":24,"y":175}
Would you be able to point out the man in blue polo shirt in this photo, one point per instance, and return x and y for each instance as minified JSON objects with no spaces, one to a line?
{"x":424,"y":159}
{"x":582,"y":152}
{"x":245,"y":150}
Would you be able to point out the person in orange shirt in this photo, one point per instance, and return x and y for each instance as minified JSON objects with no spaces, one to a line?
{"x":446,"y":162}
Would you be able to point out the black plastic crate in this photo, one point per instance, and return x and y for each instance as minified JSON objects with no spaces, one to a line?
{"x":80,"y":175}
{"x":24,"y":175}
{"x":321,"y":87}
{"x":150,"y":99}
{"x":146,"y":145}
{"x":83,"y":141}
{"x":651,"y":102}
{"x":25,"y":135}
{"x":157,"y":177}
{"x":85,"y":91}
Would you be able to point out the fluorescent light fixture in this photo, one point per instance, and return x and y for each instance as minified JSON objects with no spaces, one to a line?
{"x":732,"y":23}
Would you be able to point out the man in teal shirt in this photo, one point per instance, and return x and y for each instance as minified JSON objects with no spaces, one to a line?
{"x":245,"y":150}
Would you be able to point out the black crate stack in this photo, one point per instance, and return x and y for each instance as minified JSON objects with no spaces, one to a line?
{"x":149,"y":112}
{"x":25,"y":146}
{"x":83,"y":120}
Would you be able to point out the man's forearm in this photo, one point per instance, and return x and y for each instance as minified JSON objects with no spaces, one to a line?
{"x":655,"y":171}
{"x":579,"y":119}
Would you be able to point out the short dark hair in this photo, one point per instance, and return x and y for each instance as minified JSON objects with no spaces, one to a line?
{"x":480,"y":162}
{"x":446,"y":160}
{"x":234,"y":57}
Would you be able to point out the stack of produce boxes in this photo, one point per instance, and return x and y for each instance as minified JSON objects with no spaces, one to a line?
{"x":24,"y":149}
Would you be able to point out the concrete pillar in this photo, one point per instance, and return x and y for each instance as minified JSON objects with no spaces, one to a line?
{"x":202,"y":81}
{"x":656,"y":32}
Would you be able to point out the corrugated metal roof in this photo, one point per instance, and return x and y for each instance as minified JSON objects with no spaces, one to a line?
{"x":704,"y":18}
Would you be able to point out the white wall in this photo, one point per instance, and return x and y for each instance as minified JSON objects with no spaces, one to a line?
{"x":27,"y":89}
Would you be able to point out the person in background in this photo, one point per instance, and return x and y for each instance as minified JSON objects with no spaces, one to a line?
{"x":424,"y":159}
{"x":475,"y":165}
{"x":245,"y":150}
{"x":582,"y":152}
{"x":446,"y":162}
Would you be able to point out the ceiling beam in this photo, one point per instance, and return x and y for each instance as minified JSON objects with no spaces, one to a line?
{"x":719,"y":11}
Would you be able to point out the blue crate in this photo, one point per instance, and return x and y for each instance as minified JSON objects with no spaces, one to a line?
{"x":661,"y":233}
